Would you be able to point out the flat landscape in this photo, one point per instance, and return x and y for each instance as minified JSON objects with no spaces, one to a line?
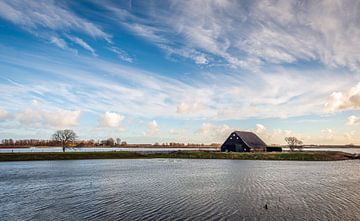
{"x":204,"y":110}
{"x":299,"y":155}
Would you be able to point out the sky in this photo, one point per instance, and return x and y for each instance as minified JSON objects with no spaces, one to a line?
{"x":181,"y":71}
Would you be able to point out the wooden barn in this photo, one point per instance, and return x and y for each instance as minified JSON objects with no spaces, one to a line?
{"x":243,"y":141}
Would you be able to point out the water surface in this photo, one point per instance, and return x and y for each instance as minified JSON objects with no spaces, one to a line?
{"x":179,"y":189}
{"x":96,"y":149}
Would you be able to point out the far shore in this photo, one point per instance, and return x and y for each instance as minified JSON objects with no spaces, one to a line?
{"x":132,"y":146}
{"x":297,"y":156}
{"x":176,"y":146}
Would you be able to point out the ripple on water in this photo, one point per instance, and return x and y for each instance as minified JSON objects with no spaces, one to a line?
{"x":179,"y":190}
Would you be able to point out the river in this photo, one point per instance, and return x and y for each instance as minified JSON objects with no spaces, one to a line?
{"x":179,"y":189}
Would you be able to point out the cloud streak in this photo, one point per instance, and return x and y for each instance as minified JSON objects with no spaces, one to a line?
{"x":252,"y":33}
{"x":35,"y":16}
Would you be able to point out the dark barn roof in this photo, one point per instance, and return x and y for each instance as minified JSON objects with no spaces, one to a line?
{"x":250,"y":139}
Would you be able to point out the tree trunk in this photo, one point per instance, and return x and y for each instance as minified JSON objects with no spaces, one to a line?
{"x":63,"y":149}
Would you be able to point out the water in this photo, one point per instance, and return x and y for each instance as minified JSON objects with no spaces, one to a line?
{"x":346,"y":150}
{"x":179,"y":189}
{"x":106,"y":149}
{"x":94,"y":149}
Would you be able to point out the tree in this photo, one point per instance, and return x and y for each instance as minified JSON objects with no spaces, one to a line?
{"x":118,"y":141}
{"x":293,"y":143}
{"x":110,"y":142}
{"x":65,"y":137}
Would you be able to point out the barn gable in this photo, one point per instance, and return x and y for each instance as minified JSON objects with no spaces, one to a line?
{"x":243,"y":141}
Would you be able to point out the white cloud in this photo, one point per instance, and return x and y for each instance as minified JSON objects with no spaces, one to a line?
{"x":211,"y":133}
{"x":275,"y":136}
{"x":259,"y":128}
{"x":201,"y":59}
{"x":35,"y":102}
{"x":183,"y":108}
{"x":153,"y":128}
{"x":205,"y":128}
{"x":353,"y":120}
{"x":4,"y":115}
{"x":61,"y":118}
{"x":38,"y":117}
{"x":328,"y":134}
{"x":190,"y":107}
{"x":111,"y":119}
{"x":344,"y":100}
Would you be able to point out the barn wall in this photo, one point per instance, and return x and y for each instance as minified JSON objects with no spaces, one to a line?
{"x":231,"y":142}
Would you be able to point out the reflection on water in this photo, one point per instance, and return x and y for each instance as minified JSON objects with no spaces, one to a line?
{"x":168,"y":189}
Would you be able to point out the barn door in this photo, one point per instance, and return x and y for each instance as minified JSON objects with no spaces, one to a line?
{"x":239,"y":148}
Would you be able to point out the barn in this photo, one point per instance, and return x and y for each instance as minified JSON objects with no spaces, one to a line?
{"x":243,"y":141}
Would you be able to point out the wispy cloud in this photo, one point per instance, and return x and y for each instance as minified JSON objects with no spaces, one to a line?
{"x":133,"y":91}
{"x":121,"y":54}
{"x":58,"y":42}
{"x":41,"y":16}
{"x":254,"y":60}
{"x":82,"y":43}
{"x":251,"y":33}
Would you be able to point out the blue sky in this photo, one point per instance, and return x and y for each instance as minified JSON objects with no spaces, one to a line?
{"x":183,"y":71}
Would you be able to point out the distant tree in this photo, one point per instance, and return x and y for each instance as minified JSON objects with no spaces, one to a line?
{"x":92,"y":141}
{"x":118,"y":141}
{"x":110,"y":142}
{"x":65,"y":137}
{"x":293,"y":143}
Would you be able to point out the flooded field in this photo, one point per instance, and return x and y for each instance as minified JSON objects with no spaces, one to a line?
{"x":170,"y":189}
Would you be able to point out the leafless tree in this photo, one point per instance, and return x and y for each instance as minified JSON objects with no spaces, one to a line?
{"x":293,"y":143}
{"x":65,"y":137}
{"x":118,"y":141}
{"x":110,"y":142}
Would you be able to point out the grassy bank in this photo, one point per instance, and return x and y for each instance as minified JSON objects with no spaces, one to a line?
{"x":303,"y":156}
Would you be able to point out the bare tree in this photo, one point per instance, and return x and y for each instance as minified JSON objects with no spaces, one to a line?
{"x":118,"y":141}
{"x":65,"y":137}
{"x":110,"y":142}
{"x":293,"y":143}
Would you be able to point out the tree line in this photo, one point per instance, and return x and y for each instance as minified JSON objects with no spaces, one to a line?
{"x":68,"y":138}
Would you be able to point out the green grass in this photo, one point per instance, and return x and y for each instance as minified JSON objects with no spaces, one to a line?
{"x":302,"y":156}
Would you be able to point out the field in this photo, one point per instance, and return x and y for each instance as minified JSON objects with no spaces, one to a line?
{"x":302,"y":156}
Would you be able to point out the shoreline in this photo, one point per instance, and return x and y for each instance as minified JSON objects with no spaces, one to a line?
{"x":134,"y":147}
{"x":293,"y":156}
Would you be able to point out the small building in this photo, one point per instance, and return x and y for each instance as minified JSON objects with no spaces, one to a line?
{"x":243,"y":141}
